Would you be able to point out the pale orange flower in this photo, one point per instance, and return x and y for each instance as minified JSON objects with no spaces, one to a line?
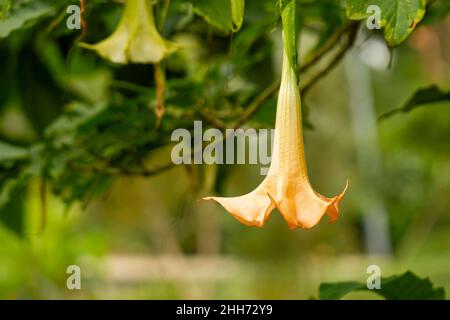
{"x":287,"y":185}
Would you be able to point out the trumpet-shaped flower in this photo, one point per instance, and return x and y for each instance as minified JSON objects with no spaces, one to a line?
{"x":136,"y":38}
{"x":287,"y":186}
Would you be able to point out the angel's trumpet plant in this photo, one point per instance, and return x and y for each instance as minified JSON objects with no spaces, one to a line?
{"x":287,"y":186}
{"x":136,"y":38}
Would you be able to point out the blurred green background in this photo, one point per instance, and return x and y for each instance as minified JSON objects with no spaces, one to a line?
{"x":85,"y":121}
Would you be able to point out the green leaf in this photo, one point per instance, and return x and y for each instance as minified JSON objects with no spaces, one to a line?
{"x":410,"y":287}
{"x":335,"y":291}
{"x":215,"y":12}
{"x":12,"y":199}
{"x":406,"y":286}
{"x":7,"y":190}
{"x":421,"y":97}
{"x":9,"y":152}
{"x":398,"y":18}
{"x":21,"y":14}
{"x":13,"y":181}
{"x":226,"y":15}
{"x":289,"y":20}
{"x":123,"y":133}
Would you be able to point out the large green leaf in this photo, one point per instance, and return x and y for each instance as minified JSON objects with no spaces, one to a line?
{"x":335,"y":291}
{"x":398,"y":18}
{"x":24,"y":12}
{"x":227,"y":15}
{"x":12,"y":185}
{"x":406,"y":286}
{"x":12,"y":194}
{"x":420,"y":98}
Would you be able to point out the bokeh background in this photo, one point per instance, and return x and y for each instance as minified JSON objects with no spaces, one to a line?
{"x":150,"y":237}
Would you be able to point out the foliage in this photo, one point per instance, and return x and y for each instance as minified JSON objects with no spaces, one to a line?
{"x":398,"y":17}
{"x":227,"y":15}
{"x":406,"y":286}
{"x":420,"y":98}
{"x":18,"y":14}
{"x":91,"y":120}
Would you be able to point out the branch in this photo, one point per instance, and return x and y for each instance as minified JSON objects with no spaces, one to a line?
{"x":215,"y":122}
{"x":257,"y":103}
{"x":114,"y":171}
{"x":350,"y":30}
{"x":329,"y":44}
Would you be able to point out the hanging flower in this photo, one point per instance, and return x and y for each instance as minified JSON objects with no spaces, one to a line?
{"x":136,"y":38}
{"x":287,"y":186}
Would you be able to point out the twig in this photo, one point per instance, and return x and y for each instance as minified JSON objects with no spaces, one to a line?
{"x":144,"y":172}
{"x":82,"y":19}
{"x":215,"y":122}
{"x":84,"y":28}
{"x":257,"y":103}
{"x":114,"y":171}
{"x":350,"y":29}
{"x":329,"y":44}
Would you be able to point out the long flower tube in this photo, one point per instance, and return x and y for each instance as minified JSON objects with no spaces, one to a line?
{"x":136,"y":38}
{"x":286,"y":186}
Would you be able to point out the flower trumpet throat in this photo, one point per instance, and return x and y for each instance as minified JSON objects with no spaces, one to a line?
{"x":136,"y":38}
{"x":287,"y":186}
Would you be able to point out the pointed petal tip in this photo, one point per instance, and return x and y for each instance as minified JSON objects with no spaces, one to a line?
{"x":312,"y":218}
{"x":345,"y":189}
{"x":254,"y":214}
{"x":86,"y":45}
{"x":253,"y":209}
{"x":333,"y":207}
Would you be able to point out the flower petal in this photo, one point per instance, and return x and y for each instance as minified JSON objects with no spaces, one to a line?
{"x":287,"y":185}
{"x":251,"y":209}
{"x":112,"y":48}
{"x":306,"y":207}
{"x":136,"y":38}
